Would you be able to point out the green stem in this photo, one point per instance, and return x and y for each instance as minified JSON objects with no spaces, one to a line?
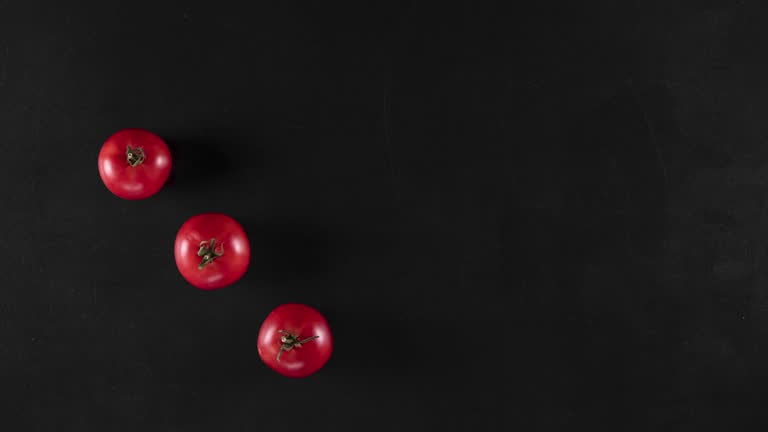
{"x":208,"y":252}
{"x":291,"y":341}
{"x":135,"y":156}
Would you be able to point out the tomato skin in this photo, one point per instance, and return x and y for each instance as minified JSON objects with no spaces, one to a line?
{"x":140,"y":181}
{"x":222,"y":271}
{"x":304,"y":322}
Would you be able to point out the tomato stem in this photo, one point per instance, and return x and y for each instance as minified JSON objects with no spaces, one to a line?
{"x":291,"y":341}
{"x":135,"y":156}
{"x":208,"y":252}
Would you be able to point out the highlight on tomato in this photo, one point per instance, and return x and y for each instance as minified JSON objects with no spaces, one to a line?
{"x":134,"y":164}
{"x":295,"y":340}
{"x":212,"y":251}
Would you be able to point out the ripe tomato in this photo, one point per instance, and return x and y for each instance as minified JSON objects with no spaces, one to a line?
{"x":295,"y":340}
{"x":212,"y":251}
{"x":134,"y":163}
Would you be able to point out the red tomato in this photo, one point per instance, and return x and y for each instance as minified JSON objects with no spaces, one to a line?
{"x":212,"y":251}
{"x":134,"y":163}
{"x":295,"y":340}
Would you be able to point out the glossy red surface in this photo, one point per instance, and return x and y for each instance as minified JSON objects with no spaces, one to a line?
{"x":225,"y":269}
{"x":140,"y":181}
{"x":304,"y":322}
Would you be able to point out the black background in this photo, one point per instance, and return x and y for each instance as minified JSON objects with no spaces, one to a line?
{"x":514,"y":217}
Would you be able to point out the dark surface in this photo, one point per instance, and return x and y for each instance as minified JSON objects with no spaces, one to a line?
{"x":541,"y":218}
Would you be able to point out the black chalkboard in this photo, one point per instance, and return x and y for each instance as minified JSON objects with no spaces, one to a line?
{"x":534,"y":218}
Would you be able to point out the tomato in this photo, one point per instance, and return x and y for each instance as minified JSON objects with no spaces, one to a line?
{"x":212,"y":251}
{"x":134,"y":164}
{"x":295,"y":340}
